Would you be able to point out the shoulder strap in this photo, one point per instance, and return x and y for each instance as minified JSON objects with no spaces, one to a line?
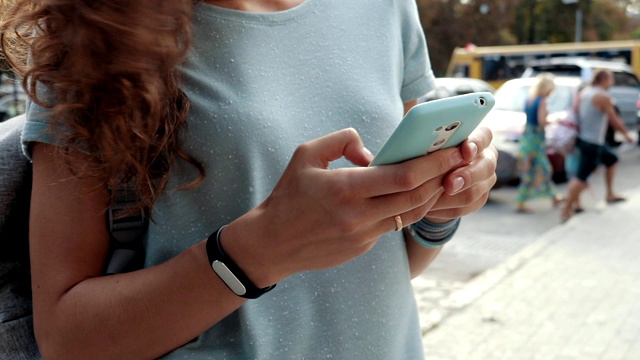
{"x":127,"y":230}
{"x":16,"y":323}
{"x":15,"y":172}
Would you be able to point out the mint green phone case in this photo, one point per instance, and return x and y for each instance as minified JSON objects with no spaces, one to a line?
{"x":434,"y":125}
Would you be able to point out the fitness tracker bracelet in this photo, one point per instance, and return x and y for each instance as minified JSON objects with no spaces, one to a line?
{"x":229,"y":272}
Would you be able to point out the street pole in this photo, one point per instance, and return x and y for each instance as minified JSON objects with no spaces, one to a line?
{"x":578,"y":34}
{"x":579,"y":24}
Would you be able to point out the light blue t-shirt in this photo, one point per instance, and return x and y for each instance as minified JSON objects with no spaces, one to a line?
{"x":260,"y":85}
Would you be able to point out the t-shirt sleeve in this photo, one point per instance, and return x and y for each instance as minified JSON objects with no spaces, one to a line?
{"x":418,"y":75}
{"x":36,"y":129}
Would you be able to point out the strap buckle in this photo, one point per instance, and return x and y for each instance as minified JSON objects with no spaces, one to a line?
{"x":127,"y":230}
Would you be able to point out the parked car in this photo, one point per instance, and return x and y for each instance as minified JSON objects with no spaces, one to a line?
{"x":507,"y":122}
{"x":625,"y":91}
{"x":446,"y":87}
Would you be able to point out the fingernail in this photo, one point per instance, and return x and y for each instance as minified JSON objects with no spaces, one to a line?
{"x":458,"y":183}
{"x":456,"y":157}
{"x":474,"y":148}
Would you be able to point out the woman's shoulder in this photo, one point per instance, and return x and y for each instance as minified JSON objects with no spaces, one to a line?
{"x":533,"y":101}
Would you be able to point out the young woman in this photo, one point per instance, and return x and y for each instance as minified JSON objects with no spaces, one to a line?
{"x":243,"y":125}
{"x":535,"y":168}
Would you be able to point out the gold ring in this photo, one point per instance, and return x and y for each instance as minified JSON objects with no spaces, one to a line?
{"x":398,"y":220}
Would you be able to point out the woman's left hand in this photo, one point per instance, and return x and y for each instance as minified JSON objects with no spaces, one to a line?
{"x":466,"y":189}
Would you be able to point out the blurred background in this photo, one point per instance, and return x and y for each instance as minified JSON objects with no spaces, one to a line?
{"x":496,"y":45}
{"x":498,"y":291}
{"x":12,"y":97}
{"x":457,"y":23}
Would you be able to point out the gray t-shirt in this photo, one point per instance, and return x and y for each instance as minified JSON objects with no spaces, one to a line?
{"x":260,"y":85}
{"x":593,"y":122}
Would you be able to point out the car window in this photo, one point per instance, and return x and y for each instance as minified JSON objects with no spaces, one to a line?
{"x":558,"y":69}
{"x":625,"y":79}
{"x":463,"y":89}
{"x":482,"y":87}
{"x":560,"y":99}
{"x":513,"y":98}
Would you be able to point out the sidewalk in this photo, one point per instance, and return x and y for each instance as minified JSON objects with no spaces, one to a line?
{"x":572,"y":294}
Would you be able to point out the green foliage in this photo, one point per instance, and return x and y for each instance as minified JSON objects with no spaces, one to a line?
{"x":455,"y":23}
{"x":554,"y":18}
{"x":436,"y":17}
{"x":607,"y":20}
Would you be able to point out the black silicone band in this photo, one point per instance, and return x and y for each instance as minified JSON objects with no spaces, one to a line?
{"x":215,"y":253}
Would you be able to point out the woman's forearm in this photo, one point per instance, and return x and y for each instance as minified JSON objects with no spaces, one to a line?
{"x":419,"y":257}
{"x":142,"y":314}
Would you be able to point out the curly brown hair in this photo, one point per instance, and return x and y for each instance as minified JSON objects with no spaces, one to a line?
{"x":110,"y":67}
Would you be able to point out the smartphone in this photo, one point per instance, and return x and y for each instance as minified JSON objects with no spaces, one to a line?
{"x":434,"y":125}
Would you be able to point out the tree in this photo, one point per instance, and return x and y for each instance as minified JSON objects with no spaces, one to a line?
{"x":452,"y":23}
{"x":556,"y":21}
{"x":439,"y":21}
{"x":455,"y":23}
{"x":628,"y":5}
{"x":553,"y":21}
{"x":524,"y":26}
{"x":485,"y":21}
{"x":609,"y":21}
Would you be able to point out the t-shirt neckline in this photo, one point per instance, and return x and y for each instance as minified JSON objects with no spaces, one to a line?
{"x":268,"y":18}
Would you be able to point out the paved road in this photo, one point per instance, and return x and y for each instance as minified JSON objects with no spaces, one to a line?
{"x":496,"y":232}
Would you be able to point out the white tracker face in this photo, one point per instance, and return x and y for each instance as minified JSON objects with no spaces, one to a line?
{"x":227,"y":276}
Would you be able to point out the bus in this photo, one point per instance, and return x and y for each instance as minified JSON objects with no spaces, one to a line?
{"x":497,"y":64}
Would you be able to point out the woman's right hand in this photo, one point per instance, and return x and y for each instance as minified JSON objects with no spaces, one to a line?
{"x":318,"y":217}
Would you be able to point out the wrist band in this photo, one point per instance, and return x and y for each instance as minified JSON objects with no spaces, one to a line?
{"x":432,"y":235}
{"x":229,"y":272}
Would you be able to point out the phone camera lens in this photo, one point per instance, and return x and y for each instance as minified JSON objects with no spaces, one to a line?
{"x":482,"y":101}
{"x":439,"y":142}
{"x":452,"y":126}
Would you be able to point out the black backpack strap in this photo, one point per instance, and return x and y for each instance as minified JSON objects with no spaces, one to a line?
{"x":127,"y":230}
